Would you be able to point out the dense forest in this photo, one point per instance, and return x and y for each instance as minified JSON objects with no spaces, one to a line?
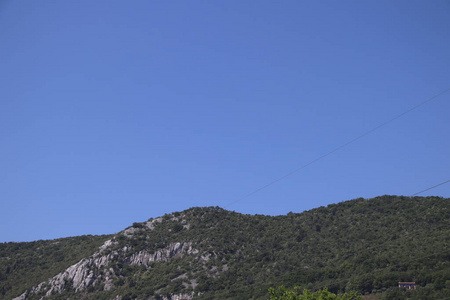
{"x":361,"y":245}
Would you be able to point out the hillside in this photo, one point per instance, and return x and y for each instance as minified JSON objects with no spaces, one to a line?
{"x":23,"y":265}
{"x":367,"y":245}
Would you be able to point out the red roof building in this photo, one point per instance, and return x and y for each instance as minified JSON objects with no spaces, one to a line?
{"x":407,"y":285}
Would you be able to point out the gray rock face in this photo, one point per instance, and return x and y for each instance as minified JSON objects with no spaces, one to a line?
{"x":93,"y":270}
{"x":179,"y":297}
{"x":174,"y":249}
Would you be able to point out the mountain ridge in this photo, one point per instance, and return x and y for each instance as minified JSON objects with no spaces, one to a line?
{"x":212,"y":253}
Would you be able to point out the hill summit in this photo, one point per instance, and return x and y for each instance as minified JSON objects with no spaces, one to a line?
{"x":363,"y":245}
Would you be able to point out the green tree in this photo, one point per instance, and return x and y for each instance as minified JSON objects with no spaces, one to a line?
{"x":281,"y":293}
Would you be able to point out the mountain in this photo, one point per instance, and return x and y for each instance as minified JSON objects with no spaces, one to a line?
{"x":367,"y":245}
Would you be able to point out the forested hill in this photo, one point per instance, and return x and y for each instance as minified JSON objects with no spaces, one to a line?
{"x":367,"y":245}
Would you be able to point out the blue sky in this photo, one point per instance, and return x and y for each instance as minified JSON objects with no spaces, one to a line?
{"x":112,"y":112}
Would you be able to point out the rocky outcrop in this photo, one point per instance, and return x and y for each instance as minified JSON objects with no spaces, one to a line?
{"x":95,"y":270}
{"x":173,"y":250}
{"x":179,"y":297}
{"x":80,"y":275}
{"x":170,"y":297}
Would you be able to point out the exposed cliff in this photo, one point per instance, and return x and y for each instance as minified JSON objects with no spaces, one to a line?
{"x":97,"y":270}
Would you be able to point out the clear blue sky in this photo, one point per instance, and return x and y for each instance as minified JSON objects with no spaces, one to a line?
{"x":112,"y":112}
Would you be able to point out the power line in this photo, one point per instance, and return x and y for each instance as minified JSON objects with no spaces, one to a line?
{"x":430,"y":188}
{"x":338,"y":148}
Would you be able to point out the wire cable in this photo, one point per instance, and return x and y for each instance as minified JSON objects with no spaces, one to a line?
{"x":434,"y":186}
{"x":338,"y":148}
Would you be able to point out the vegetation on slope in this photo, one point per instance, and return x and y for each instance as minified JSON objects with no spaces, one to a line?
{"x":361,"y":245}
{"x":281,"y":293}
{"x":23,"y":265}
